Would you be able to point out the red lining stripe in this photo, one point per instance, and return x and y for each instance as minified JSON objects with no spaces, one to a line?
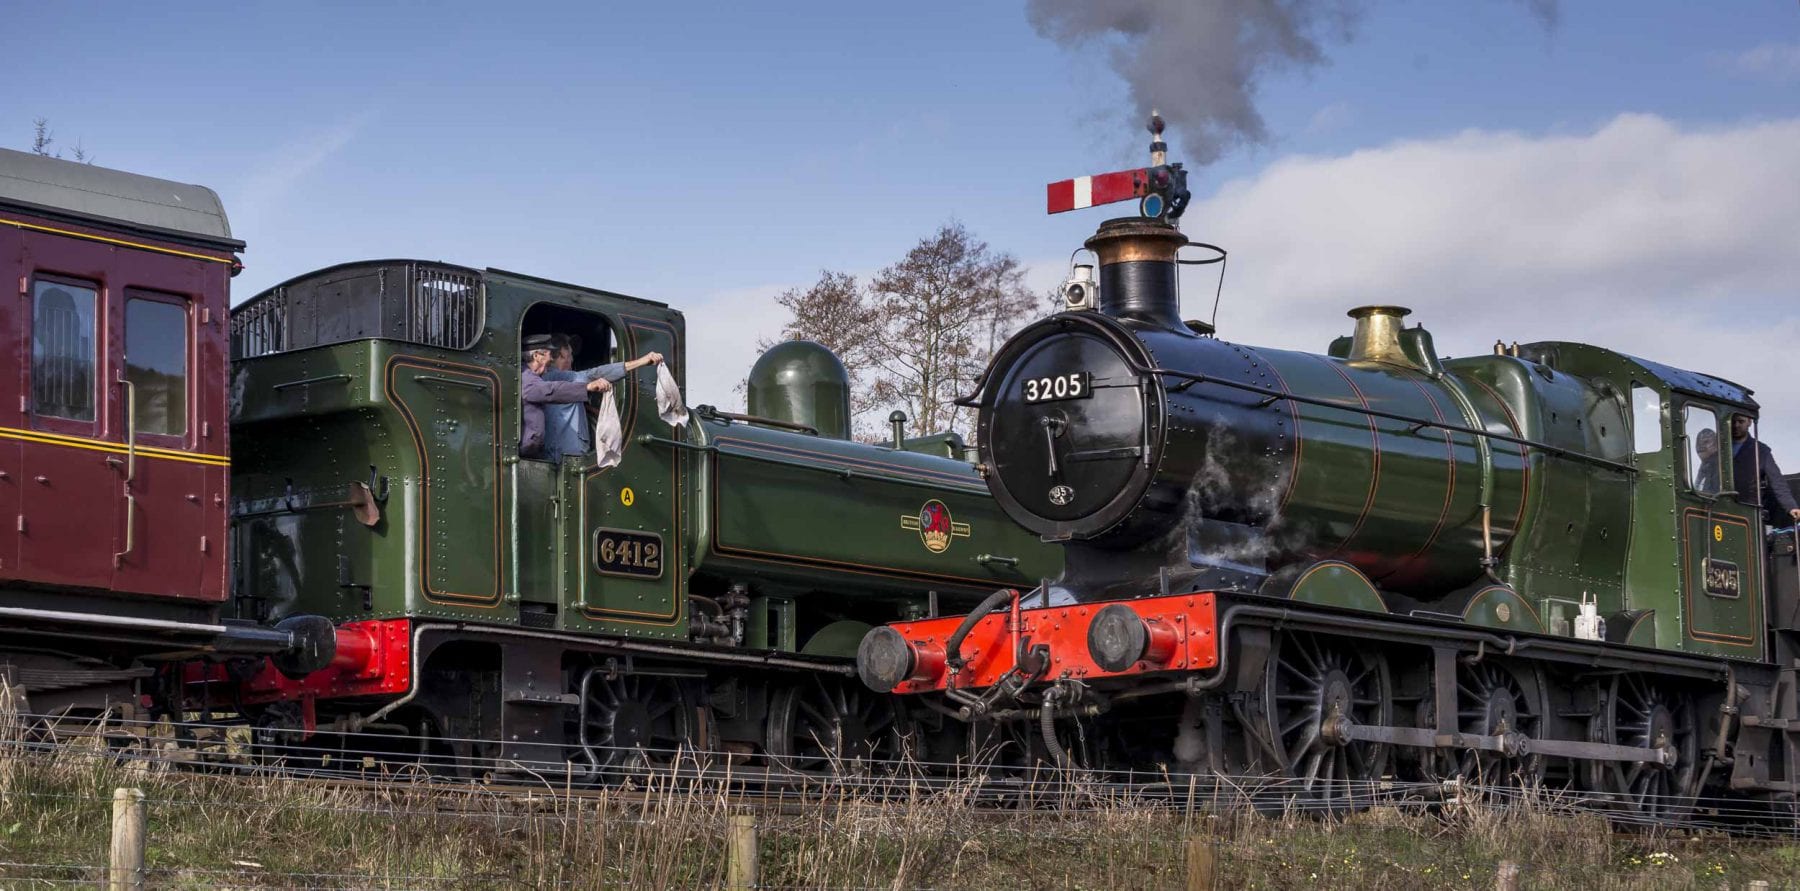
{"x":1293,"y":412}
{"x":1375,"y":450}
{"x":1449,"y":490}
{"x":1518,"y":430}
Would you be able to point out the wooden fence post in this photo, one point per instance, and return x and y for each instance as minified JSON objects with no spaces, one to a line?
{"x":1507,"y":877}
{"x":1201,"y":867}
{"x":741,"y":853}
{"x":126,"y":869}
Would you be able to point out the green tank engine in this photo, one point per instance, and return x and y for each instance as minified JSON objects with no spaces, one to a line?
{"x":705,"y":592}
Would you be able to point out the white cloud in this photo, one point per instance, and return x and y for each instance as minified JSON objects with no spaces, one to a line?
{"x":723,"y":330}
{"x":1778,"y":61}
{"x":1677,"y":244}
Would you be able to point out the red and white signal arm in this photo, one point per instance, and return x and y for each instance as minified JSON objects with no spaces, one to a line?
{"x":1091,"y":191}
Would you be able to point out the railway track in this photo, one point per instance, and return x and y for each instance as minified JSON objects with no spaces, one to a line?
{"x":231,"y":751}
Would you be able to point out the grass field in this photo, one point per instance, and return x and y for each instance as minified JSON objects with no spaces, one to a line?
{"x":275,"y":832}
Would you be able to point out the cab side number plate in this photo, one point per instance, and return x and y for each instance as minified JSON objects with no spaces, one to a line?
{"x":1073,"y":385}
{"x":624,"y":552}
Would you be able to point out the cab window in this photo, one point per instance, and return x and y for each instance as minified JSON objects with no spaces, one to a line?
{"x":1705,"y":452}
{"x":1646,"y":420}
{"x":64,"y":349}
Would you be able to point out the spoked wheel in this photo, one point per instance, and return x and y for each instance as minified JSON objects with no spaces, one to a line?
{"x":1491,"y":700}
{"x":828,"y":726}
{"x":1313,"y":690}
{"x":633,"y":721}
{"x":1635,"y":712}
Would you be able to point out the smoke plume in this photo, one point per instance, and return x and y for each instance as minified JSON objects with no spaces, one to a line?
{"x":1199,"y":61}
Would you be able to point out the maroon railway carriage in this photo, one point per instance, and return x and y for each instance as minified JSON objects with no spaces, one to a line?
{"x":113,"y":451}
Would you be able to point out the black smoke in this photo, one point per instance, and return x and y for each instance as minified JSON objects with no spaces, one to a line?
{"x":1199,"y":61}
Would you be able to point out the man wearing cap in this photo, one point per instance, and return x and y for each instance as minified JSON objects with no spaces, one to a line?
{"x":566,"y":427}
{"x":1759,"y":480}
{"x":536,"y":393}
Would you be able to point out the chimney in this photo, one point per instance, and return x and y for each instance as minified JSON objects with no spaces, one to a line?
{"x":1377,"y":335}
{"x":1137,"y":271}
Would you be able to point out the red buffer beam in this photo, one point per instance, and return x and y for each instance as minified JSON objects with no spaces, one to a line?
{"x":1158,"y":634}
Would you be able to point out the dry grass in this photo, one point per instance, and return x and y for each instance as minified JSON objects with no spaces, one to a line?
{"x":276,"y":832}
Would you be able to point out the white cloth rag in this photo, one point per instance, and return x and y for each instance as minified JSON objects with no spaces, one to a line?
{"x":668,"y":398}
{"x":609,"y":435}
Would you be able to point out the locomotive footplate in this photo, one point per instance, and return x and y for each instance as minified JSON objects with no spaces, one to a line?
{"x":1007,"y":661}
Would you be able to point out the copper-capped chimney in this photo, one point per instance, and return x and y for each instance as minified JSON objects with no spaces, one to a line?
{"x":1137,"y":271}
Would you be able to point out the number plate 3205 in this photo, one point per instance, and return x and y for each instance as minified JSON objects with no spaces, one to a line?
{"x":625,"y":552}
{"x":1050,"y":388}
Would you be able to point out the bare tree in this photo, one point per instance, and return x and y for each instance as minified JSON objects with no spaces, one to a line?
{"x":42,"y":137}
{"x":833,"y":311}
{"x":944,"y":309}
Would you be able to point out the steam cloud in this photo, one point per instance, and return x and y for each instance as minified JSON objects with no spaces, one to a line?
{"x":1199,"y":61}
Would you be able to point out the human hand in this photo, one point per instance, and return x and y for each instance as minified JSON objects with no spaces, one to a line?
{"x":653,"y":358}
{"x":599,"y":385}
{"x":1795,"y":513}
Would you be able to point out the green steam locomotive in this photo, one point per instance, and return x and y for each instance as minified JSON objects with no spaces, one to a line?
{"x":706,"y":592}
{"x":1323,"y":573}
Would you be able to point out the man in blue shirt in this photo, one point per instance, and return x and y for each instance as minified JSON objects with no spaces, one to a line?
{"x":537,"y":395}
{"x":567,"y":430}
{"x":1759,"y":480}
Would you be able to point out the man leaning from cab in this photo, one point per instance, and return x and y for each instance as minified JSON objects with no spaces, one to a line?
{"x":1758,"y":478}
{"x":566,"y":430}
{"x":537,"y":394}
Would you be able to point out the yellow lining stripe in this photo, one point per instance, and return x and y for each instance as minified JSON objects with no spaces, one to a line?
{"x":118,"y":241}
{"x":100,"y":445}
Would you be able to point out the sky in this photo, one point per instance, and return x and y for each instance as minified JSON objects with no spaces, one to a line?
{"x":1620,"y":173}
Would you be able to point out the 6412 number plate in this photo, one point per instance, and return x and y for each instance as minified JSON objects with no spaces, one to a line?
{"x":1050,"y":388}
{"x":626,"y":552}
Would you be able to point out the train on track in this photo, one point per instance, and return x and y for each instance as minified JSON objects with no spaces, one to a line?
{"x":1338,"y":570}
{"x":1170,"y":554}
{"x":311,"y":512}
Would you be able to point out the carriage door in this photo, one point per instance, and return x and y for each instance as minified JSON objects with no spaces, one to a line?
{"x":1720,"y":541}
{"x":70,"y":476}
{"x":163,"y":539}
{"x":633,"y":571}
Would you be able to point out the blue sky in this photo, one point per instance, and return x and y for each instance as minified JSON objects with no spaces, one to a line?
{"x":710,"y":155}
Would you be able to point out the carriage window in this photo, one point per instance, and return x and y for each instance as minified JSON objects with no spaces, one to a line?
{"x":62,"y":350}
{"x":1705,"y":459}
{"x":1646,"y":421}
{"x":156,"y":363}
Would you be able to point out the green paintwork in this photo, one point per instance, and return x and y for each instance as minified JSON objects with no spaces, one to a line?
{"x":801,"y":382}
{"x":1405,"y":506}
{"x":1336,"y":583}
{"x":812,"y":526}
{"x":839,"y":638}
{"x":1497,"y":606}
{"x":1641,"y":630}
{"x":811,"y":514}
